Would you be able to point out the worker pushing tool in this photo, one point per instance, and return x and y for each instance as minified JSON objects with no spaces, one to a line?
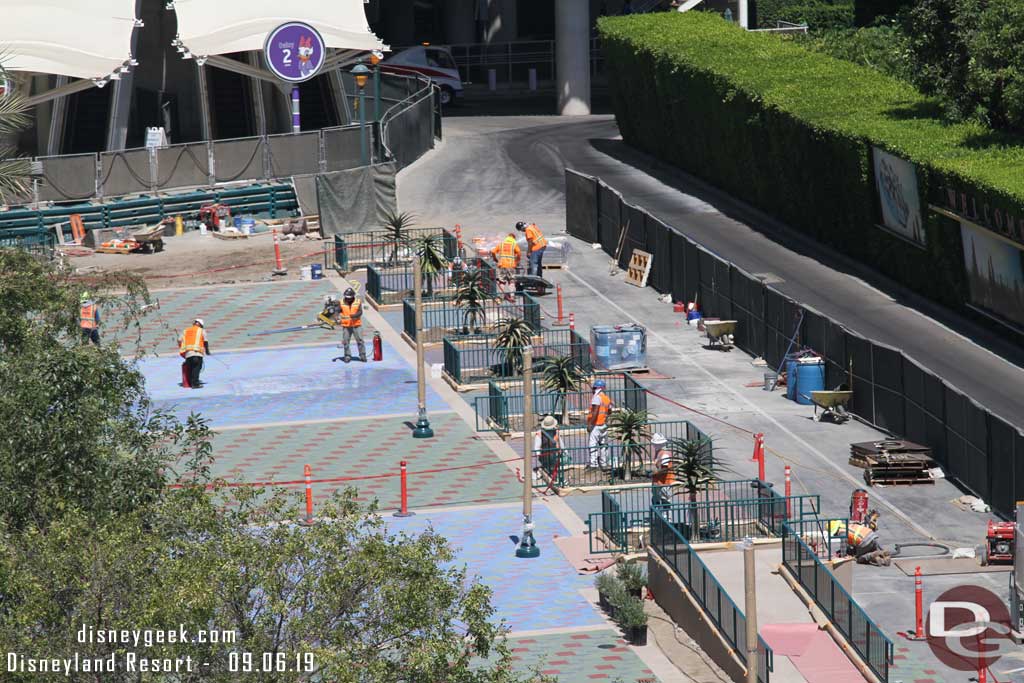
{"x":350,"y":317}
{"x":600,"y":407}
{"x":536,"y":243}
{"x":89,"y":319}
{"x":862,"y":539}
{"x":193,"y":346}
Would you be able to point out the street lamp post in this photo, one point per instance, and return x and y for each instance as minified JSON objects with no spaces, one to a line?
{"x":750,"y":608}
{"x":375,"y":61}
{"x":422,"y":430}
{"x":361,"y":74}
{"x":527,"y":543}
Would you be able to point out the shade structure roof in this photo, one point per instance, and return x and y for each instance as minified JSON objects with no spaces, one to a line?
{"x":217,"y":27}
{"x":81,"y":38}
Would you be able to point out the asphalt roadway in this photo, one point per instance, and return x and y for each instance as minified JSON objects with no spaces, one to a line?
{"x":492,"y":171}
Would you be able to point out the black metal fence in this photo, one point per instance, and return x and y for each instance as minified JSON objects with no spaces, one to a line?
{"x":981,"y":450}
{"x":873,"y":646}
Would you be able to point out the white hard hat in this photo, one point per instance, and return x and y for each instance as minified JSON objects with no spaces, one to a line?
{"x":658,"y":440}
{"x":198,"y":321}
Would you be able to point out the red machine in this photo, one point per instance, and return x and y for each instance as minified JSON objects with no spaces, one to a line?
{"x":215,"y":215}
{"x":998,"y":548}
{"x":858,"y":505}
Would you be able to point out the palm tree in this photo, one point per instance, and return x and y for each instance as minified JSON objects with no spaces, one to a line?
{"x":430,"y":251}
{"x":398,"y":225}
{"x":562,"y":375}
{"x":695,"y":467}
{"x":514,"y":334}
{"x":629,"y":427}
{"x":472,"y":293}
{"x":14,"y":172}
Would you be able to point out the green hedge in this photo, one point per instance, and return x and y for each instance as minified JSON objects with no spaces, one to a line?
{"x":817,"y":14}
{"x":790,"y":131}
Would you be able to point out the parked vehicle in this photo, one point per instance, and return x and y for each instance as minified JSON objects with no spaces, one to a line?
{"x":436,"y":63}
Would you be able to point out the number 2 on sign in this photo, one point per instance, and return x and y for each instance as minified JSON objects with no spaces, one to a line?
{"x":287,"y":56}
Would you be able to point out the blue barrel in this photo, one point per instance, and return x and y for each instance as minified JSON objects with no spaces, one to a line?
{"x":791,"y":379}
{"x":316,"y":271}
{"x":693,"y":315}
{"x":810,"y":376}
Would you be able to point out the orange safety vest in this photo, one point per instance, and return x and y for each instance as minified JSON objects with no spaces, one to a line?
{"x":87,"y":316}
{"x":194,"y":339}
{"x":856,"y":533}
{"x":603,"y":409}
{"x":669,"y":477}
{"x":535,"y":238}
{"x":508,"y":253}
{"x":347,"y":311}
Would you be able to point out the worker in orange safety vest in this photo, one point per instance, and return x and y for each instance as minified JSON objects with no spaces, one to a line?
{"x":536,"y":244}
{"x":193,"y":346}
{"x":350,"y":317}
{"x":507,"y":255}
{"x":862,"y":541}
{"x":597,"y":420}
{"x":89,"y":319}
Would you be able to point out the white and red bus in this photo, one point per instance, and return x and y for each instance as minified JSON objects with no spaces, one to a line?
{"x":436,"y":63}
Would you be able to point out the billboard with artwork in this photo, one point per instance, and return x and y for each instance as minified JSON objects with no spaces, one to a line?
{"x":995,"y":272}
{"x":896,"y":181}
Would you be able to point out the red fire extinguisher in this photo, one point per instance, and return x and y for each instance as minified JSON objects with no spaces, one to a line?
{"x":858,"y":505}
{"x":378,"y":347}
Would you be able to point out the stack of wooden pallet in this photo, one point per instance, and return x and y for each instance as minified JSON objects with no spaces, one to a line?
{"x":893,"y":462}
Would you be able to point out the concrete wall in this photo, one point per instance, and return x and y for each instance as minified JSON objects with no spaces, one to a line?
{"x":673,"y":597}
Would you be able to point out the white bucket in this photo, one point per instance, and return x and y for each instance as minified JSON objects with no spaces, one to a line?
{"x":202,"y":228}
{"x":306,"y":273}
{"x":436,"y":370}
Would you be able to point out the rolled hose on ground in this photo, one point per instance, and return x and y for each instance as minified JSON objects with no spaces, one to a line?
{"x":898,"y":548}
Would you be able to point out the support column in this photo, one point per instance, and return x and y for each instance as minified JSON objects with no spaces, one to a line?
{"x":205,"y":123}
{"x":572,"y":56}
{"x":254,"y":59}
{"x":58,"y":116}
{"x":120,"y":108}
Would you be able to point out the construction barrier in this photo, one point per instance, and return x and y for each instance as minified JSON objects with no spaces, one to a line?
{"x":890,"y":390}
{"x":804,"y":563}
{"x":474,"y":358}
{"x":718,"y":606}
{"x":443,"y":318}
{"x":389,"y":285}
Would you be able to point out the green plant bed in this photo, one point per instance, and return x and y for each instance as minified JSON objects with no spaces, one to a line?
{"x":790,"y":131}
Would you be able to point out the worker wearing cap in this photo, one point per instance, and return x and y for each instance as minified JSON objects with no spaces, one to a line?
{"x":661,"y":460}
{"x":535,"y":246}
{"x":547,"y":450}
{"x":350,"y":317}
{"x":193,"y":346}
{"x":862,"y":541}
{"x":89,"y":319}
{"x":600,"y":407}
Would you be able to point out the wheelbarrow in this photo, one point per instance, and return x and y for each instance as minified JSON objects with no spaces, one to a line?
{"x":720,"y":333}
{"x":832,"y":404}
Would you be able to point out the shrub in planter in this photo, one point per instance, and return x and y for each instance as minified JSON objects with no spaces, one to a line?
{"x":605,"y":585}
{"x":632,"y":577}
{"x":617,"y":596}
{"x":632,"y":619}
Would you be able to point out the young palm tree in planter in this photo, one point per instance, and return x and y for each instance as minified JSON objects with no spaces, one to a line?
{"x":398,"y":225}
{"x":514,"y":334}
{"x":562,"y":375}
{"x":695,"y":467}
{"x":430,"y":251}
{"x":472,"y":294}
{"x":629,"y":427}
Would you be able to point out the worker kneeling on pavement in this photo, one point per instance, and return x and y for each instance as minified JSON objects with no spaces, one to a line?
{"x":350,"y":317}
{"x":862,"y":541}
{"x":193,"y":346}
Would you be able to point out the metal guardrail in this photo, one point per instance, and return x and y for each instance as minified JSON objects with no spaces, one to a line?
{"x":473,"y":358}
{"x":391,"y":285}
{"x":37,"y":240}
{"x":873,"y":646}
{"x":443,"y":318}
{"x":721,"y":610}
{"x":502,"y":411}
{"x":380,"y":247}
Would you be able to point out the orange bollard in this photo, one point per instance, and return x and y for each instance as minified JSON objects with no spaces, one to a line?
{"x":760,"y":457}
{"x":757,"y":441}
{"x":561,"y":319}
{"x":404,"y":506}
{"x":308,"y":471}
{"x":789,"y":493}
{"x":918,"y":605}
{"x":277,"y":256}
{"x":572,"y":321}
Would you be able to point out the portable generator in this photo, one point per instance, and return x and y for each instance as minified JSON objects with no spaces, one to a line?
{"x":998,"y":548}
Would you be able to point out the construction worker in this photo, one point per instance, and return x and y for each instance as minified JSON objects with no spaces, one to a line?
{"x":535,"y":246}
{"x":193,"y":346}
{"x":350,"y":317}
{"x":507,"y":253}
{"x":546,"y":449}
{"x":89,"y":319}
{"x":862,"y":541}
{"x":661,"y":460}
{"x":600,"y":407}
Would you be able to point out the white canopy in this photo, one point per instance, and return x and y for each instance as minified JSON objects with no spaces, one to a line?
{"x":82,"y":38}
{"x":217,"y":27}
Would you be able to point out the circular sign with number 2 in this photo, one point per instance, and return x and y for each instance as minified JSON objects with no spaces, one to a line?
{"x":295,"y":51}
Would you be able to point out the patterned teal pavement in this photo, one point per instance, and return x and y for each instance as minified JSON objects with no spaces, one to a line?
{"x":581,"y":657}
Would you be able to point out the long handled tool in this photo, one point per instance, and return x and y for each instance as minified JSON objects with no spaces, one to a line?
{"x":320,"y":325}
{"x":614,"y":268}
